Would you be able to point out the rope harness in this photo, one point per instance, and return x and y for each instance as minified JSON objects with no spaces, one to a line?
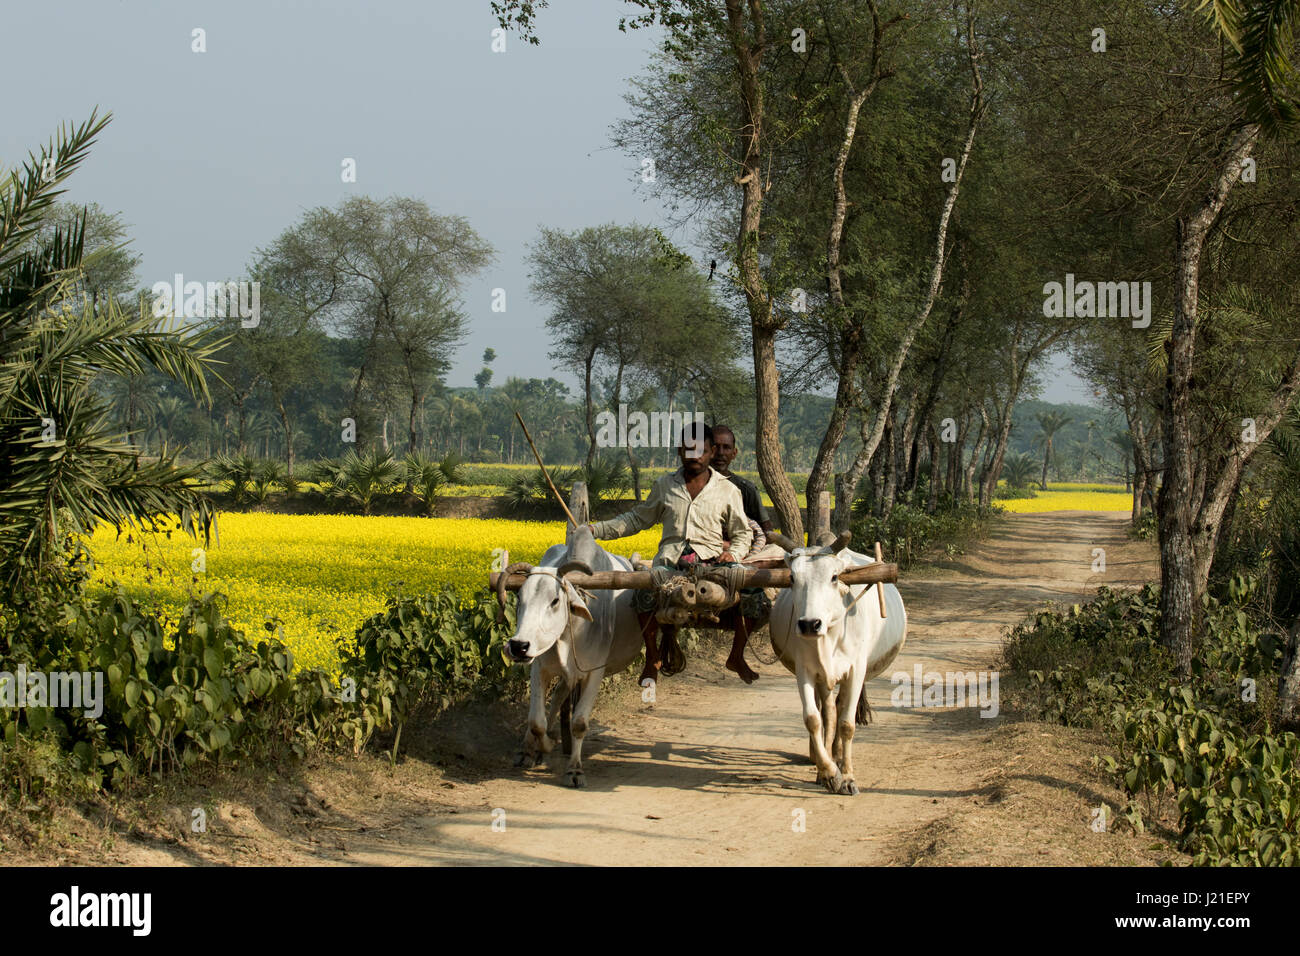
{"x":676,"y":592}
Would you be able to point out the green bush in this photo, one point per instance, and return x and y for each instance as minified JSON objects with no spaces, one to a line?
{"x":420,"y":651}
{"x":907,"y":533}
{"x":1147,"y":528}
{"x":428,"y":476}
{"x":529,"y":489}
{"x":1008,"y":492}
{"x":171,"y":697}
{"x":1207,"y":742}
{"x":196,"y":690}
{"x":268,"y":473}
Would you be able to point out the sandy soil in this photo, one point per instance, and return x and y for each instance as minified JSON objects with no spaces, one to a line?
{"x":713,"y":771}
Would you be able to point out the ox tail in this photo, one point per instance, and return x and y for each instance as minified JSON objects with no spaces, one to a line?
{"x":863,"y":716}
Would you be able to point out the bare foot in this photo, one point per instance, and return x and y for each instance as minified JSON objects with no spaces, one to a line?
{"x":736,"y":662}
{"x":736,"y":659}
{"x":649,"y":672}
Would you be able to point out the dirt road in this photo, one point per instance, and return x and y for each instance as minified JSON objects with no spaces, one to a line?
{"x":717,"y":772}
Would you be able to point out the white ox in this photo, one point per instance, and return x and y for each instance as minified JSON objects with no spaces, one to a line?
{"x":572,"y":634}
{"x":831,"y":636}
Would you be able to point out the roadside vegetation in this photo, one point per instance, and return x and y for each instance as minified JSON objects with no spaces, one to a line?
{"x":1204,"y":756}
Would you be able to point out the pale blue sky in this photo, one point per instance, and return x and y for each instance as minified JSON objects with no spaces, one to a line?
{"x":211,"y":155}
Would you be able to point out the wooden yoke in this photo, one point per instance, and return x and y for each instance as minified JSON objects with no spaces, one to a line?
{"x":754,"y":578}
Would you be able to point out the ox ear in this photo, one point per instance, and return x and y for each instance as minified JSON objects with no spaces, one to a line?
{"x":576,"y":604}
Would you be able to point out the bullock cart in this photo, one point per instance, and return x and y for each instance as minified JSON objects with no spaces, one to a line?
{"x":701,"y":597}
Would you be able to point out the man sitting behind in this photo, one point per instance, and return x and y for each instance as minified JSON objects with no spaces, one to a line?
{"x":700,"y":511}
{"x":725,"y":451}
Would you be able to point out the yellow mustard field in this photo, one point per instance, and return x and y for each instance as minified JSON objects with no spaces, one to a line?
{"x":322,"y":575}
{"x":1068,"y":500}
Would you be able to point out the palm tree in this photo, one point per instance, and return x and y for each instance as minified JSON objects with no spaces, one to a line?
{"x":1050,"y":423}
{"x":63,"y":464}
{"x":1018,"y":469}
{"x":512,"y":396}
{"x":169,"y":414}
{"x":1092,"y":425}
{"x":368,"y":474}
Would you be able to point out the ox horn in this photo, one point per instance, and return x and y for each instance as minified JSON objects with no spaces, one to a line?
{"x":777,"y":538}
{"x":515,"y":568}
{"x":840,"y":543}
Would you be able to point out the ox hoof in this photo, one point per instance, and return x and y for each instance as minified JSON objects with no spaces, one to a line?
{"x":835,"y":784}
{"x":850,"y":789}
{"x":575,"y":778}
{"x":530,"y":759}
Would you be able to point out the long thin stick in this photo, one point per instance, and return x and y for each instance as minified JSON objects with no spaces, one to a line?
{"x":545,"y":474}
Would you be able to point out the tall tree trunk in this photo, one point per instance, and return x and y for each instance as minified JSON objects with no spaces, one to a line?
{"x":932,"y":501}
{"x":850,"y":350}
{"x":588,"y":403}
{"x":1212,"y":513}
{"x":747,"y":34}
{"x":968,"y":476}
{"x":412,"y":432}
{"x":1288,"y":689}
{"x":872,"y":431}
{"x":287,"y":425}
{"x":243,"y":425}
{"x":999,"y":451}
{"x":1141,"y":464}
{"x":906,"y":458}
{"x":851,"y":333}
{"x":897,"y":440}
{"x":767,"y":443}
{"x":1180,"y":605}
{"x":956,"y":451}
